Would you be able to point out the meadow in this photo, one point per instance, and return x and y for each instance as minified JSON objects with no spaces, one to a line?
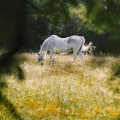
{"x":65,"y":91}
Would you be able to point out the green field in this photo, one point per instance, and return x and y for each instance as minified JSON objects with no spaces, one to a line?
{"x":65,"y":91}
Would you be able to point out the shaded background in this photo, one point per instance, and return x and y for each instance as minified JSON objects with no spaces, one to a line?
{"x":26,"y":24}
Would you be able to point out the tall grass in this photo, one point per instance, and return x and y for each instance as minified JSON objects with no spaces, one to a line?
{"x":65,"y":91}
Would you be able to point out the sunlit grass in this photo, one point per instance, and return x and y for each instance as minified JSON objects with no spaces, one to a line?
{"x":65,"y":91}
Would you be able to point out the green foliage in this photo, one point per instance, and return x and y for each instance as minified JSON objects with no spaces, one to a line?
{"x":58,"y":10}
{"x":116,"y":69}
{"x":37,"y":30}
{"x":68,"y":28}
{"x":104,"y":14}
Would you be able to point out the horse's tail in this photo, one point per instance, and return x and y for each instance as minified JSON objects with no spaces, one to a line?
{"x":83,"y":41}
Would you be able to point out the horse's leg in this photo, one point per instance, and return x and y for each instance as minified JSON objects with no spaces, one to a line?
{"x":82,"y":57}
{"x":75,"y":54}
{"x":45,"y":55}
{"x":52,"y":56}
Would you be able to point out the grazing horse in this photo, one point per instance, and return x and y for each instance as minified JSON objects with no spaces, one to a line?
{"x":62,"y":45}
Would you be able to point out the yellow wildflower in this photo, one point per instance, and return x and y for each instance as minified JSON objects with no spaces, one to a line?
{"x":36,"y":104}
{"x":67,"y":111}
{"x":30,"y":112}
{"x":97,"y":110}
{"x":52,"y":109}
{"x":114,"y":113}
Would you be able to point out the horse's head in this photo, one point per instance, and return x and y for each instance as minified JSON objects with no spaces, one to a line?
{"x":41,"y":56}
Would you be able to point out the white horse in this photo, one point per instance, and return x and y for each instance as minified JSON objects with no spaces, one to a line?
{"x":63,"y":45}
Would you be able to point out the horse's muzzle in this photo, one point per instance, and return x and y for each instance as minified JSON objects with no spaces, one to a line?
{"x":40,"y":59}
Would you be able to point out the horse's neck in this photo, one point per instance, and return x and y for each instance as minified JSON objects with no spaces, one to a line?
{"x":41,"y":49}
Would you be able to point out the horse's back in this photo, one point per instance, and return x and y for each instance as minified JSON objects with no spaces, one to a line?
{"x":77,"y":38}
{"x":62,"y":43}
{"x":76,"y":41}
